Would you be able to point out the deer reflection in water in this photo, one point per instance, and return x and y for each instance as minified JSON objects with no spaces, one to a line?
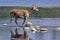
{"x":17,"y":36}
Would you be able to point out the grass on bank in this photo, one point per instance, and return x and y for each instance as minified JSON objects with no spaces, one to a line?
{"x":53,"y":12}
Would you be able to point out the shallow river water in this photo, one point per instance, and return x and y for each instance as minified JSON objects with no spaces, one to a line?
{"x":50,"y":24}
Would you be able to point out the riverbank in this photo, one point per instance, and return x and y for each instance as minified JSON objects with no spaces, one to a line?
{"x":53,"y":12}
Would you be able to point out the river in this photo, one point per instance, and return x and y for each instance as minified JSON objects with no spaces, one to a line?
{"x":50,"y":23}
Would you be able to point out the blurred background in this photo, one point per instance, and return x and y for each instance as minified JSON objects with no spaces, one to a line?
{"x":48,"y":17}
{"x":48,"y":8}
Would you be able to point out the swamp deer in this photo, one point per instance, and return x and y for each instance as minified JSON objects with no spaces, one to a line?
{"x":17,"y":36}
{"x":22,"y":13}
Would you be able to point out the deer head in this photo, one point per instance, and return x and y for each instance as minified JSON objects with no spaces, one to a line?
{"x":34,"y":8}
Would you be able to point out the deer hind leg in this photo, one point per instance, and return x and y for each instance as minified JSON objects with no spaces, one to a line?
{"x":11,"y":18}
{"x":12,"y":34}
{"x":16,"y":20}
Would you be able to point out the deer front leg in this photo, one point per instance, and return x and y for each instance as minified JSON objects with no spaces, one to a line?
{"x":25,"y":20}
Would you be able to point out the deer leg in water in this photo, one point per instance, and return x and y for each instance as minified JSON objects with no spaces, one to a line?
{"x":10,"y":20}
{"x":12,"y":34}
{"x":11,"y":17}
{"x":16,"y":21}
{"x":16,"y":31}
{"x":25,"y":20}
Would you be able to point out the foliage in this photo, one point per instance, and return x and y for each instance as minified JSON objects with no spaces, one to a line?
{"x":43,"y":13}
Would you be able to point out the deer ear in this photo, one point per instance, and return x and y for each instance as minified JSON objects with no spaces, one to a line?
{"x":33,"y":4}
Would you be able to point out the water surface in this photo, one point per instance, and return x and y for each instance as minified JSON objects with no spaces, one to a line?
{"x":49,"y":23}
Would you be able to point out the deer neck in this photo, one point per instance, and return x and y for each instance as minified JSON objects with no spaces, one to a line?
{"x":30,"y":11}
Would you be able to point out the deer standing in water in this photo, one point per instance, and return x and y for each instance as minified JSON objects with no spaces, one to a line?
{"x":22,"y":13}
{"x":17,"y":36}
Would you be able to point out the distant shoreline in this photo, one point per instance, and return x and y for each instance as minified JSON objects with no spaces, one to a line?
{"x":53,"y":12}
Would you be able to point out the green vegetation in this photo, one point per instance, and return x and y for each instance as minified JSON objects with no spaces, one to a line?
{"x":43,"y":13}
